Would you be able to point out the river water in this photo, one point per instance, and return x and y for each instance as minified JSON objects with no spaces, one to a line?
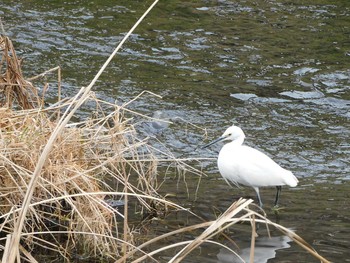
{"x":279,"y":69}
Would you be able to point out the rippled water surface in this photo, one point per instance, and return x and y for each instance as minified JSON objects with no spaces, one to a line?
{"x":279,"y":69}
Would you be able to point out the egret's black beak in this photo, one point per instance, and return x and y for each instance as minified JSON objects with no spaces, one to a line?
{"x":215,"y":141}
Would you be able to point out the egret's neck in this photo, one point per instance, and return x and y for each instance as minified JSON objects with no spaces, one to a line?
{"x":238,"y":141}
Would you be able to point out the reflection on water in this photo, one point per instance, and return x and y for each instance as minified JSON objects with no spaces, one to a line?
{"x":265,"y":249}
{"x":278,"y":69}
{"x":158,"y":123}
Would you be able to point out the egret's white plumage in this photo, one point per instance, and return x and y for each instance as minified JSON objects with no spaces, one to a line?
{"x":244,"y":165}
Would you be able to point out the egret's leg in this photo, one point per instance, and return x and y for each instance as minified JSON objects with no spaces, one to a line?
{"x":258,"y":195}
{"x":278,"y":193}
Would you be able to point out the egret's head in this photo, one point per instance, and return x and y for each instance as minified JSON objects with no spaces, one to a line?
{"x":232,"y":133}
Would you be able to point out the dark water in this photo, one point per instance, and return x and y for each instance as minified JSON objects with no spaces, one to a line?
{"x":279,"y":69}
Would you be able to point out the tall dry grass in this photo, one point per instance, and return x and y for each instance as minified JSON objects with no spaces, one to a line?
{"x":71,"y":191}
{"x":13,"y":86}
{"x":55,"y":177}
{"x":52,"y":174}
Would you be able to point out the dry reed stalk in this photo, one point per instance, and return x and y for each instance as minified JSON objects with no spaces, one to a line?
{"x":13,"y":86}
{"x":252,"y":244}
{"x":59,"y":81}
{"x":213,"y":229}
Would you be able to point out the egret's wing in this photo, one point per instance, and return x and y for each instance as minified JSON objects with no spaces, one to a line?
{"x":260,"y":169}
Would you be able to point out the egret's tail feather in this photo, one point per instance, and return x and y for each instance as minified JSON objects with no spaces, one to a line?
{"x":291,"y":180}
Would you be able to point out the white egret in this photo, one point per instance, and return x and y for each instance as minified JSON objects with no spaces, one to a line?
{"x":244,"y":165}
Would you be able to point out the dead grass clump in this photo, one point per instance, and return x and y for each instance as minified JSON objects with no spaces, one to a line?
{"x":23,"y":135}
{"x":71,"y":193}
{"x":69,"y":210}
{"x":13,"y":86}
